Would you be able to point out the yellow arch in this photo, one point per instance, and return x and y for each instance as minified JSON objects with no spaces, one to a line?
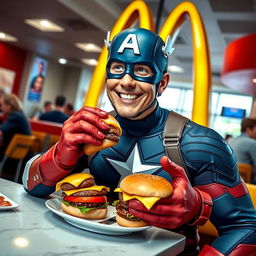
{"x":201,"y":65}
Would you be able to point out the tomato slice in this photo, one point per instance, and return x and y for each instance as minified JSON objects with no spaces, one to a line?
{"x":86,"y":199}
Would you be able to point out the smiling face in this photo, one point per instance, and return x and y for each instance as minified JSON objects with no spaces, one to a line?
{"x":132,"y":98}
{"x":136,"y":72}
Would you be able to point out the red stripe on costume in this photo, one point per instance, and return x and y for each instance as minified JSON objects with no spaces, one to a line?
{"x":216,"y":190}
{"x":244,"y":249}
{"x":210,"y":251}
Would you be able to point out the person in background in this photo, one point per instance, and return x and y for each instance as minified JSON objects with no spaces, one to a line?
{"x":228,"y":137}
{"x":2,"y":93}
{"x":244,"y":145}
{"x":15,"y":120}
{"x":208,"y":187}
{"x":57,"y":115}
{"x":69,"y":109}
{"x":48,"y":106}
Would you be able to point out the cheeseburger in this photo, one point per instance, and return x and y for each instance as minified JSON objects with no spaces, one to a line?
{"x":146,"y":188}
{"x":111,"y":136}
{"x":82,"y":198}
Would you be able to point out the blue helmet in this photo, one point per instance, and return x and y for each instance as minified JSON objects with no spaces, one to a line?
{"x":138,"y":46}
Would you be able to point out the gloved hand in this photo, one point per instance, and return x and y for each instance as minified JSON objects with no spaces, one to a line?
{"x":85,"y":126}
{"x":82,"y":127}
{"x":181,"y":207}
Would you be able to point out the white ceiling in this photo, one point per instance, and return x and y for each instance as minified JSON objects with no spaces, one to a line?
{"x":89,"y":21}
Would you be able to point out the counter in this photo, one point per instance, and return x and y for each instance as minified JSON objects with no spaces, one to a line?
{"x":32,"y":229}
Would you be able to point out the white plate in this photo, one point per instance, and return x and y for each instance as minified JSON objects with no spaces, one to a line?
{"x":92,"y":225}
{"x":14,"y":204}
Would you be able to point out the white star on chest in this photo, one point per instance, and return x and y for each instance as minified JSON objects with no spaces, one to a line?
{"x":133,"y":164}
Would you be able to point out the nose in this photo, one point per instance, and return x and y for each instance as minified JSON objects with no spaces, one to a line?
{"x":127,"y":81}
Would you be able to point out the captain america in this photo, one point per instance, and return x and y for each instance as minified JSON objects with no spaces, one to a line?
{"x":208,"y":186}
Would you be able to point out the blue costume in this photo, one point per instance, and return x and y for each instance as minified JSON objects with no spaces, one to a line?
{"x":209,"y":161}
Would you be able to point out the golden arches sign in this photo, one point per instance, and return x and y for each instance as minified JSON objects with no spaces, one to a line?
{"x":201,"y":64}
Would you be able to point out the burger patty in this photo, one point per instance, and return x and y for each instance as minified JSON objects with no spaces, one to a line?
{"x":88,"y":205}
{"x":103,"y":192}
{"x":84,"y":184}
{"x":112,"y":134}
{"x":122,"y":210}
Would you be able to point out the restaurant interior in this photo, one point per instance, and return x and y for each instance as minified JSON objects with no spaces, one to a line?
{"x":67,"y":36}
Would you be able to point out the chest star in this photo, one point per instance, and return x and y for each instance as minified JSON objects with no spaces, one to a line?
{"x":133,"y":164}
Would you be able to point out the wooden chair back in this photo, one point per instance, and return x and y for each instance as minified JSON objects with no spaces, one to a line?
{"x":18,"y":149}
{"x":39,"y":141}
{"x":245,"y":171}
{"x":53,"y":140}
{"x":19,"y":146}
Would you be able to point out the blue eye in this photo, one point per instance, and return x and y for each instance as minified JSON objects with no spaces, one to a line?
{"x":117,"y":68}
{"x":142,"y":70}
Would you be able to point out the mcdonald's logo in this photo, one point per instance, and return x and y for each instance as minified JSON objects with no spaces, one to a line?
{"x":201,"y":63}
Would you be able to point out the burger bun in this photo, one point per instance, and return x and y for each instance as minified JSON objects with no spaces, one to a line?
{"x":129,"y":223}
{"x":91,"y":215}
{"x":146,"y":185}
{"x":90,"y":149}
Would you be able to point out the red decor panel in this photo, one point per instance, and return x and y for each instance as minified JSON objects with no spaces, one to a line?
{"x":13,"y":58}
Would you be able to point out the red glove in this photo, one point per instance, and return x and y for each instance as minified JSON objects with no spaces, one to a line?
{"x":185,"y":205}
{"x":83,"y":127}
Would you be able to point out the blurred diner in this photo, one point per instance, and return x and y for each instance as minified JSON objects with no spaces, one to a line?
{"x":56,"y":115}
{"x":69,"y":109}
{"x":48,"y":106}
{"x":15,"y":120}
{"x":244,"y":145}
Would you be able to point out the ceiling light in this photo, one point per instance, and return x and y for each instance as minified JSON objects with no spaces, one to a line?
{"x":62,"y":61}
{"x":90,"y":62}
{"x":44,"y":25}
{"x":88,"y":47}
{"x":175,"y":69}
{"x":254,"y":80}
{"x":7,"y":38}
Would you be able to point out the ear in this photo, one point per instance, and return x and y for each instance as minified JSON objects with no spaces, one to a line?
{"x":163,"y":83}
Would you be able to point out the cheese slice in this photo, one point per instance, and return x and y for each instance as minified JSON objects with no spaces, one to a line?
{"x":75,"y":179}
{"x":148,"y":202}
{"x":97,"y":188}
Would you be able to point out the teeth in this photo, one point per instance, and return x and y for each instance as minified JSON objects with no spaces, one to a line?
{"x":128,"y":96}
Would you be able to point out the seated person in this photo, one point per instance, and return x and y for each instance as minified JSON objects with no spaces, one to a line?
{"x":48,"y":106}
{"x":69,"y":109}
{"x":57,"y":115}
{"x":244,"y":145}
{"x":15,"y":120}
{"x":208,"y":185}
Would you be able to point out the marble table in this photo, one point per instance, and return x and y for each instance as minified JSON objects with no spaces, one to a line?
{"x":32,"y":229}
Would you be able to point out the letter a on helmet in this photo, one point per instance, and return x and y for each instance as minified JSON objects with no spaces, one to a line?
{"x":130,"y":42}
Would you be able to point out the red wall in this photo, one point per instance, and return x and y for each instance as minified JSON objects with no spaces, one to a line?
{"x":13,"y":58}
